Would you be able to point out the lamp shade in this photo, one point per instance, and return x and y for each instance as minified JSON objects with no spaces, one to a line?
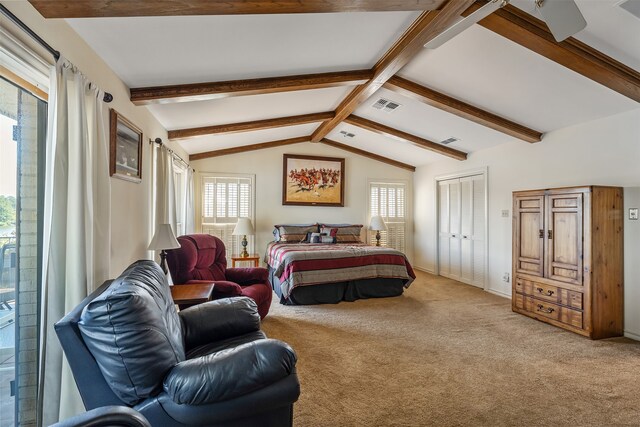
{"x":244,"y":227}
{"x":164,"y":238}
{"x":377,"y":224}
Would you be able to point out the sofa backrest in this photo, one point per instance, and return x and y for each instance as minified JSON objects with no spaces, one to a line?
{"x":200,"y":257}
{"x":133,"y":331}
{"x":94,"y":390}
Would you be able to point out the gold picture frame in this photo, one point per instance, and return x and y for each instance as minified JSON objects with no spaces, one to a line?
{"x":125,"y":154}
{"x":312,"y":181}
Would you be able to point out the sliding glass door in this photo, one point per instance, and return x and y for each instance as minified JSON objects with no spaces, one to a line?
{"x":22,"y":135}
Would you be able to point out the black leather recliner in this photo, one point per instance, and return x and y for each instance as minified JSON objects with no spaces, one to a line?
{"x":207,"y":365}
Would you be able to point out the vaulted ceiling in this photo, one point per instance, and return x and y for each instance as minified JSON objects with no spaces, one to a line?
{"x":229,"y":76}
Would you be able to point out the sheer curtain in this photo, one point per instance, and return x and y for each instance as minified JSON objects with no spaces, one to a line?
{"x":190,"y":214}
{"x":165,"y":188}
{"x":76,"y":224}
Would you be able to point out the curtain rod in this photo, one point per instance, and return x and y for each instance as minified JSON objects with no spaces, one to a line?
{"x":159,"y":142}
{"x":56,"y":54}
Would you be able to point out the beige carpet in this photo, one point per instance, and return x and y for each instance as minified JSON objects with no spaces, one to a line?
{"x":448,"y":354}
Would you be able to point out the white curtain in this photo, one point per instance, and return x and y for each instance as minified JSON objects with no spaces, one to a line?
{"x":165,"y":188}
{"x":76,"y":224}
{"x":190,"y":214}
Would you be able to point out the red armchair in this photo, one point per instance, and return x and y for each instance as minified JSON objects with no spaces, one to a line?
{"x":201,"y":258}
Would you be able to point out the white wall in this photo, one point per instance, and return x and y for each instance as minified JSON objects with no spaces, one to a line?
{"x":266,"y":165}
{"x":604,"y":152}
{"x":131,"y":203}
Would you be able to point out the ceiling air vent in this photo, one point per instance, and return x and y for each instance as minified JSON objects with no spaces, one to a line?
{"x":449,"y":140}
{"x":631,"y":6}
{"x":385,"y":105}
{"x":347,"y":134}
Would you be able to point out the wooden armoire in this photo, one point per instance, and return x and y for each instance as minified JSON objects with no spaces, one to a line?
{"x":568,"y":258}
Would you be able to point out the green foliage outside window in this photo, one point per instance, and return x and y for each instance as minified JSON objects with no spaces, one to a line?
{"x":7,"y":211}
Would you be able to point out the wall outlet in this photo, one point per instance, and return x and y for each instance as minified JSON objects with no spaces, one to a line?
{"x":506,"y":277}
{"x":505,"y":213}
{"x":633,"y":213}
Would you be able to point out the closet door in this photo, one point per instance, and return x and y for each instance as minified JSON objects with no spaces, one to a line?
{"x":444,"y":232}
{"x":479,"y":225}
{"x":564,"y":238}
{"x":455,"y":205}
{"x":466,"y":229}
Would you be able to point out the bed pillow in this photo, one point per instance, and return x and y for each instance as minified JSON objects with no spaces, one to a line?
{"x":293,"y":233}
{"x":343,"y":233}
{"x":320,"y":238}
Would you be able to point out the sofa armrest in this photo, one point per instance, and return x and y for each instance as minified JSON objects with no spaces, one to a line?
{"x":217,"y":320}
{"x":247,"y":276}
{"x":229,"y":373}
{"x":112,"y":416}
{"x":221,"y":288}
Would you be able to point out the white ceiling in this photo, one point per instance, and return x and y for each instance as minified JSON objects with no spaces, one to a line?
{"x":478,"y":67}
{"x":218,"y":142}
{"x":247,"y":108}
{"x":154,"y":51}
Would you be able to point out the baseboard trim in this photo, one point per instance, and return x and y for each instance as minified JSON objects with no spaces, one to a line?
{"x":632,"y":335}
{"x":424,"y":270}
{"x":498,"y":293}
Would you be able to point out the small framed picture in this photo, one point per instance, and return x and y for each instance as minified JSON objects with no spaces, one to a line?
{"x":126,"y":148}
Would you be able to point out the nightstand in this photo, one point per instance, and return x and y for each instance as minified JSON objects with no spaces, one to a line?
{"x":255,"y":259}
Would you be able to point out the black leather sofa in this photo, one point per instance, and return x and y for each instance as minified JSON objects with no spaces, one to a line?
{"x":208,"y":365}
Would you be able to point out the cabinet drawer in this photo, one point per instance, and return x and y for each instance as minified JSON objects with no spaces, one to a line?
{"x":549,"y":310}
{"x":550,"y":293}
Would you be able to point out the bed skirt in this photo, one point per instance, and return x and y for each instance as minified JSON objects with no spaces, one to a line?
{"x":333,"y":293}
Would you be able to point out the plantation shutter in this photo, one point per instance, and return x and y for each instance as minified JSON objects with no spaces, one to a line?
{"x":224,"y":200}
{"x":389,"y":201}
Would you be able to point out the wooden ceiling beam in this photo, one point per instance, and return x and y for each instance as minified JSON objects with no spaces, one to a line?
{"x":389,"y":132}
{"x":426,"y":27}
{"x":532,"y":33}
{"x":251,"y":147}
{"x":368,"y":154}
{"x":250,"y":126}
{"x":124,"y":8}
{"x":214,"y":90}
{"x":461,"y":109}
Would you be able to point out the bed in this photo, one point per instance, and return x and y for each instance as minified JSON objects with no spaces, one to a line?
{"x":321,"y":273}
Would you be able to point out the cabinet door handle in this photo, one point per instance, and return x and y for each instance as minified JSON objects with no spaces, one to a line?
{"x":550,"y":234}
{"x":541,"y":234}
{"x":545,"y":310}
{"x":464,"y":237}
{"x":549,"y":292}
{"x":453,"y":235}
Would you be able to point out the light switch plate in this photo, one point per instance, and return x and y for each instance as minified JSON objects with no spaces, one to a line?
{"x":505,"y":213}
{"x":633,"y":213}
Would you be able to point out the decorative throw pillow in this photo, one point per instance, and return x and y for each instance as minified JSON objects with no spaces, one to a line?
{"x":321,"y":238}
{"x":344,"y":233}
{"x":294,"y":233}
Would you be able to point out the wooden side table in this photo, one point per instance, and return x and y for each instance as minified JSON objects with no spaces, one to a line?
{"x":254,"y":258}
{"x":188,"y":295}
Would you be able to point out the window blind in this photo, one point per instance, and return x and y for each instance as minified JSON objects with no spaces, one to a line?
{"x":388,"y":200}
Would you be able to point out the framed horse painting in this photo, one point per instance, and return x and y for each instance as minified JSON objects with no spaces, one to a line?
{"x":312,"y":181}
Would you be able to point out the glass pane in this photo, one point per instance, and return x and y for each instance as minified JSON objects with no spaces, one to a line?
{"x":22,"y":131}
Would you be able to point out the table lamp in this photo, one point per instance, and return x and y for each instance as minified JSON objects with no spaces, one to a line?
{"x":163,"y":239}
{"x":244,"y":228}
{"x":377,"y":224}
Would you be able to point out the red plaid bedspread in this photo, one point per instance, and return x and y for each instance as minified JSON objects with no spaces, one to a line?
{"x":304,"y":264}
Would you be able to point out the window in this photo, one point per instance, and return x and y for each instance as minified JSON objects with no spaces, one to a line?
{"x":388,"y":199}
{"x":226,"y":198}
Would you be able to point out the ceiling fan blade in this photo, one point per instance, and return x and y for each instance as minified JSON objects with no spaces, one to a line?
{"x":465,"y":23}
{"x":562,"y":17}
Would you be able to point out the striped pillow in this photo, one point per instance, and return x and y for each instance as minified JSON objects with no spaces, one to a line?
{"x":294,"y":233}
{"x":344,"y":233}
